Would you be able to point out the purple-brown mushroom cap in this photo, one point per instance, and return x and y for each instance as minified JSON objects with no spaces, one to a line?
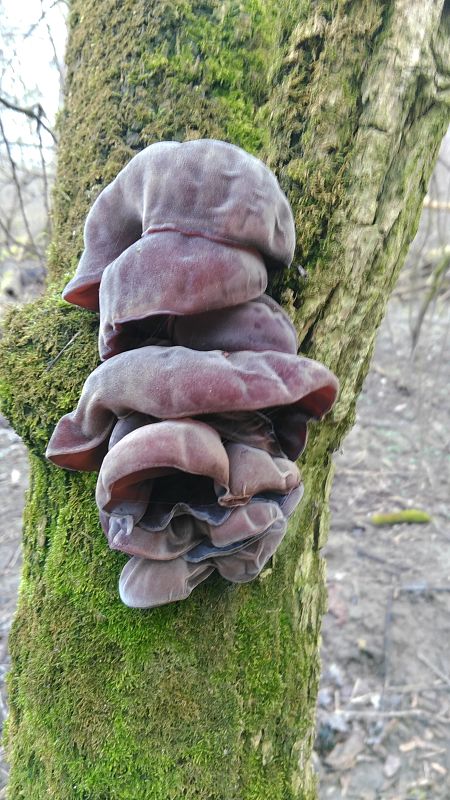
{"x":204,"y":188}
{"x":160,"y":513}
{"x":253,"y":471}
{"x":258,"y":325}
{"x":201,"y":406}
{"x":170,"y":274}
{"x":126,"y":482}
{"x":176,"y":382}
{"x":247,"y":427}
{"x":182,"y":534}
{"x":128,"y":471}
{"x":244,"y":522}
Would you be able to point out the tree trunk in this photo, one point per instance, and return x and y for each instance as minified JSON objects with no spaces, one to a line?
{"x":212,"y":698}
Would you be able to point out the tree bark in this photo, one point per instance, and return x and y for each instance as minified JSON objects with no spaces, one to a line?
{"x":212,"y":698}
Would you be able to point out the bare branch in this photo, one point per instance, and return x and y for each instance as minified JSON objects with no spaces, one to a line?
{"x":30,"y":113}
{"x":16,"y":181}
{"x":437,"y":279}
{"x":11,"y":241}
{"x":56,"y":59}
{"x":45,"y":180}
{"x":44,"y":12}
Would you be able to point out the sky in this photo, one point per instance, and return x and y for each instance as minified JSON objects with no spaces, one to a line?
{"x":32,"y":40}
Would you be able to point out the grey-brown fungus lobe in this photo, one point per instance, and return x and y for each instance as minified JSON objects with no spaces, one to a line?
{"x":145,"y":583}
{"x":200,"y":409}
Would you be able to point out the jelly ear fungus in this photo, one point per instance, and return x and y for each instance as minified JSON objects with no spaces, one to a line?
{"x":197,"y":414}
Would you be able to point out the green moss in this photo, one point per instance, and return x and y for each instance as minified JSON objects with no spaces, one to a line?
{"x":40,"y":380}
{"x":178,"y":70}
{"x":207,"y":673}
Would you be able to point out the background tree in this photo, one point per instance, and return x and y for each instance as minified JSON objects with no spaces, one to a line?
{"x":31,"y":72}
{"x":347,"y":101}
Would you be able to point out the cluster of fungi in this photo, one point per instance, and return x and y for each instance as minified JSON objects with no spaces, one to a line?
{"x":199,"y":410}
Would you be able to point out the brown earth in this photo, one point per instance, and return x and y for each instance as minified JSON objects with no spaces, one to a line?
{"x":384,"y":702}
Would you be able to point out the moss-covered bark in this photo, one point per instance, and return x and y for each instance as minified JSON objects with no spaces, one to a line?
{"x":212,"y":698}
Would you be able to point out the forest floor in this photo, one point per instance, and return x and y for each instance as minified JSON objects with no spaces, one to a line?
{"x":384,"y":703}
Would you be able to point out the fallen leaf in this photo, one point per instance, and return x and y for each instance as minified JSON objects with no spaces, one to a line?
{"x":438,"y":768}
{"x":406,"y":747}
{"x":336,"y":604}
{"x":414,"y":744}
{"x":391,"y":765}
{"x":343,"y":755}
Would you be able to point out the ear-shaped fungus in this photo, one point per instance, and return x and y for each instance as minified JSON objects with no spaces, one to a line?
{"x":201,"y":188}
{"x":185,"y":532}
{"x":128,"y":471}
{"x":259,"y":325}
{"x":253,"y":471}
{"x":249,"y":520}
{"x":201,"y":406}
{"x":162,"y":511}
{"x":181,"y":534}
{"x":248,"y":427}
{"x":126,"y":480}
{"x":172,"y":274}
{"x":167,"y":502}
{"x":146,"y":583}
{"x":246,"y":565}
{"x":175,"y":382}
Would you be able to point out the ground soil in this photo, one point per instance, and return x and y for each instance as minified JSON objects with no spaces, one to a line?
{"x":384,"y":703}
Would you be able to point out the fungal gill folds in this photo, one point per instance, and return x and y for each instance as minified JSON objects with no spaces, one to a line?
{"x":200,"y":407}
